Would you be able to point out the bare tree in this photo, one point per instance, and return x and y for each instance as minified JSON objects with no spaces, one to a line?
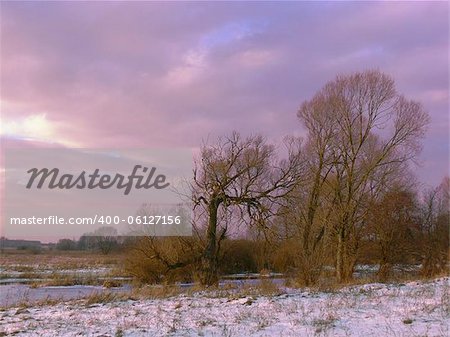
{"x":366,"y":128}
{"x":393,"y":221}
{"x":243,"y":175}
{"x":435,"y":229}
{"x":105,"y":239}
{"x":305,"y":214}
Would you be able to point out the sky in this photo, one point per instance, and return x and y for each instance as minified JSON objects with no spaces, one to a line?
{"x":151,"y":74}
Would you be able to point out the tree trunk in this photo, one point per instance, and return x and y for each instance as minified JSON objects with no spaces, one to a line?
{"x":209,"y":272}
{"x":350,"y":250}
{"x":384,"y":270}
{"x":346,"y":254}
{"x":340,"y":255}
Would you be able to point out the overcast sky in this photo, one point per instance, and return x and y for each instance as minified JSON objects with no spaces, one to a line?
{"x":148,"y":74}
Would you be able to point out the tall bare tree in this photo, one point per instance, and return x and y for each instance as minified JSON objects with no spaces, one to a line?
{"x":367,"y":130}
{"x":305,"y":212}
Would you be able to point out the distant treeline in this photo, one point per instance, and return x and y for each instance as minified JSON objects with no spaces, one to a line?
{"x":19,"y":244}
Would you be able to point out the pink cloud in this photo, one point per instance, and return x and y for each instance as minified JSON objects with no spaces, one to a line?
{"x":144,"y":74}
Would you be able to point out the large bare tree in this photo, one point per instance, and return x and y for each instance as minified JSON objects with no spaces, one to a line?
{"x":242,"y":175}
{"x":364,"y":131}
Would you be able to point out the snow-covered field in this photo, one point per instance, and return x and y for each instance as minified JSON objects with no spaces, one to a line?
{"x":412,"y":309}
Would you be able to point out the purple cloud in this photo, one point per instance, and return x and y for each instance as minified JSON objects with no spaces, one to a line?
{"x":142,"y":74}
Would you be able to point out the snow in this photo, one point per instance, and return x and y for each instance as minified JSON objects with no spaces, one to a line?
{"x":411,"y":309}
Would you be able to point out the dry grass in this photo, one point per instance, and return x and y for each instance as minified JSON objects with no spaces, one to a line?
{"x":56,"y":268}
{"x":23,"y":261}
{"x":231,"y":292}
{"x":105,"y":297}
{"x":265,"y":287}
{"x":155,"y":292}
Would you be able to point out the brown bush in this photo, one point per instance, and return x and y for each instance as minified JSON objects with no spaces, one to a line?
{"x":239,"y":256}
{"x":284,"y":257}
{"x":162,"y":260}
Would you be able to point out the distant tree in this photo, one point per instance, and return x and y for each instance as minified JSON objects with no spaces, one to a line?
{"x":66,"y":244}
{"x":86,"y":242}
{"x":105,"y":239}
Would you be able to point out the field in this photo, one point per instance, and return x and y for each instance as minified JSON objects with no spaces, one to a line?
{"x":60,"y":268}
{"x":412,"y":309}
{"x":85,"y":294}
